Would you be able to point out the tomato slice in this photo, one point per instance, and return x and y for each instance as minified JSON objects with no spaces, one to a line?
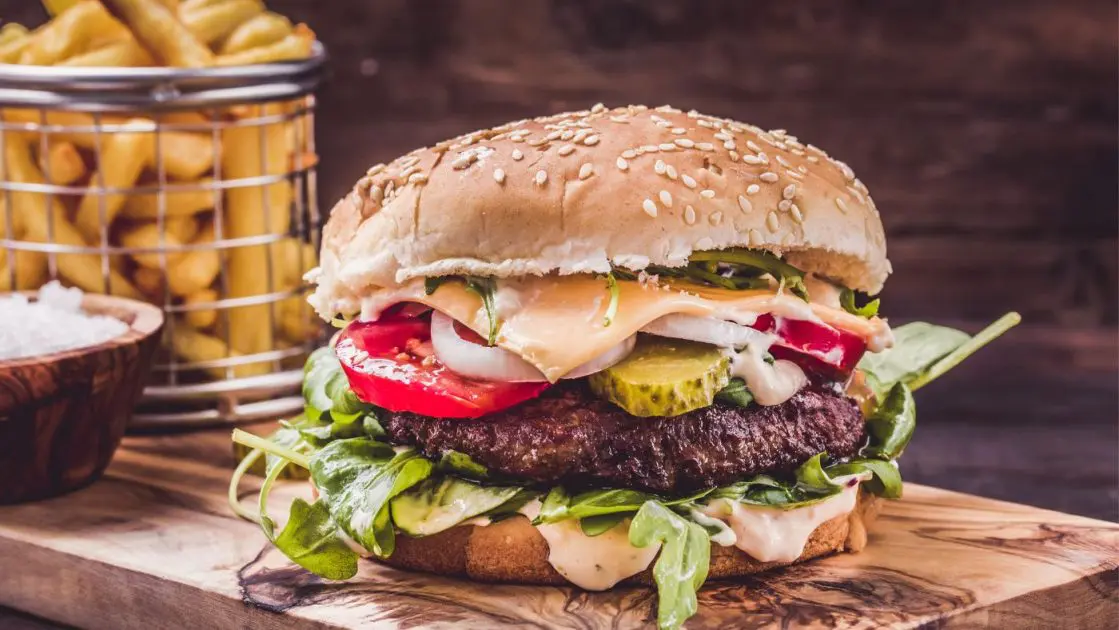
{"x":814,"y":346}
{"x":391,"y":364}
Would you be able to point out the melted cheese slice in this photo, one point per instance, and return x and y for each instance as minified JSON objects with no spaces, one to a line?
{"x":556,"y":323}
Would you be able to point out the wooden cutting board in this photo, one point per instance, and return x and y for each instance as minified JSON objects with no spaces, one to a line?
{"x":153,"y":545}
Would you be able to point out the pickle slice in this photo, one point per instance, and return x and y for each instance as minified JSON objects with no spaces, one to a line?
{"x":664,"y":377}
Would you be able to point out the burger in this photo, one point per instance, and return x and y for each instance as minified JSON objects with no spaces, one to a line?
{"x":605,"y":346}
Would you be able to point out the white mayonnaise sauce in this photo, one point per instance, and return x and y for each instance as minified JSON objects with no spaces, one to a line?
{"x":776,"y":535}
{"x":594,"y":563}
{"x":770,"y":384}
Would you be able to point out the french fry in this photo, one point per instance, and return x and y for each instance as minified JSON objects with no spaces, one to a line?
{"x":203,"y":318}
{"x":178,"y":204}
{"x":262,"y":30}
{"x":185,"y":155}
{"x":14,"y":38}
{"x":147,"y":235}
{"x":247,"y":215}
{"x":70,"y":33}
{"x":297,"y":45}
{"x":150,"y":281}
{"x":197,"y":347}
{"x":197,"y":269}
{"x":182,"y":228}
{"x":296,"y":322}
{"x":187,"y":6}
{"x":289,"y":269}
{"x":35,"y":214}
{"x":54,"y":7}
{"x":29,"y":269}
{"x":63,"y":164}
{"x":125,"y":53}
{"x":121,"y":161}
{"x":212,"y":23}
{"x":185,"y":118}
{"x":159,"y":30}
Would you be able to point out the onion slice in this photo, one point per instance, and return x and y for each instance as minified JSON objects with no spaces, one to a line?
{"x":716,"y":332}
{"x":491,"y":363}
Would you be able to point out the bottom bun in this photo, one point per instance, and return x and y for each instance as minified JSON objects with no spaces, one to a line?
{"x":512,"y":551}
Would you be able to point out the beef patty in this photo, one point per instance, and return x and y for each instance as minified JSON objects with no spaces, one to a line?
{"x":571,"y":437}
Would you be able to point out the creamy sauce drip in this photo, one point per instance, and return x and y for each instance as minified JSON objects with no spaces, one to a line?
{"x":594,"y":563}
{"x":770,"y":384}
{"x":776,"y":535}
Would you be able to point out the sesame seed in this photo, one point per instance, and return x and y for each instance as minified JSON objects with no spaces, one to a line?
{"x":813,"y":159}
{"x":541,"y":177}
{"x":842,"y":204}
{"x":620,"y":119}
{"x":745,"y":204}
{"x":679,"y":130}
{"x":793,"y":174}
{"x":771,"y":222}
{"x":734,"y":155}
{"x":567,"y":134}
{"x":622,"y":164}
{"x":535,"y":142}
{"x":783,"y":162}
{"x":373,"y":170}
{"x":753,"y":189}
{"x":763,"y":157}
{"x":861,"y":186}
{"x":670,"y":170}
{"x":768,"y":177}
{"x":789,"y":192}
{"x":668,"y":146}
{"x":663,"y":123}
{"x":705,"y":146}
{"x":729,"y":145}
{"x":716,"y":218}
{"x":858,"y":195}
{"x":666,"y":198}
{"x":554,"y":135}
{"x":566,"y":149}
{"x":795,"y":210}
{"x":408,"y":171}
{"x":517,"y":155}
{"x":684,"y":142}
{"x":689,"y":215}
{"x":590,"y":141}
{"x":753,"y":146}
{"x":586,"y":170}
{"x":376,"y":194}
{"x":707,"y":193}
{"x":802,"y":168}
{"x":650,"y":148}
{"x":751,"y":159}
{"x":755,"y":237}
{"x":659,"y":167}
{"x":722,"y":135}
{"x":598,"y":108}
{"x":462,"y":161}
{"x":704,"y":123}
{"x":783,"y":205}
{"x":688,"y":180}
{"x":649,"y":207}
{"x":517,"y":138}
{"x":499,"y":175}
{"x":417,"y":178}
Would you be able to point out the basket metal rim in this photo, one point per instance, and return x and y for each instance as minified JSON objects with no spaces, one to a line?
{"x":81,"y":79}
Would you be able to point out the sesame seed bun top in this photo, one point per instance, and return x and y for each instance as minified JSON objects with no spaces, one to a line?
{"x":577,"y":192}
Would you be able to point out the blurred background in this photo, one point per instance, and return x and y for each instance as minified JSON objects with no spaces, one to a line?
{"x":986,"y":132}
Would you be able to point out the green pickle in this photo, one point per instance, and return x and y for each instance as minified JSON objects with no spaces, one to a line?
{"x":664,"y":377}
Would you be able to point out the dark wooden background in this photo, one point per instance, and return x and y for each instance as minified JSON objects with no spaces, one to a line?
{"x":985,"y":130}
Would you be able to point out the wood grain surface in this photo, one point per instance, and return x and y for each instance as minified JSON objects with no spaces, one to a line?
{"x":153,"y":540}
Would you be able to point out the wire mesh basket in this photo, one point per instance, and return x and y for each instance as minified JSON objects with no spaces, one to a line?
{"x":191,"y":189}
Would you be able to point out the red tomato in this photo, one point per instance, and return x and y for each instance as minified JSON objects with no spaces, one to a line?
{"x":814,"y":346}
{"x":391,"y":364}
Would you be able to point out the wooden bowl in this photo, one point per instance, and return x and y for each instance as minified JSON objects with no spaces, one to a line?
{"x":62,"y":415}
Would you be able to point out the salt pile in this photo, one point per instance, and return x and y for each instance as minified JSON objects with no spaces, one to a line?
{"x":52,"y":324}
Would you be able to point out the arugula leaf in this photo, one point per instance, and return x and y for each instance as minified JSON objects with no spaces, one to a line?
{"x":682,"y":564}
{"x":310,"y":539}
{"x":885,"y":480}
{"x":558,"y":505}
{"x":767,"y":262}
{"x":435,"y":505}
{"x":600,"y":523}
{"x":462,"y":464}
{"x":513,"y":505}
{"x":735,"y":393}
{"x":320,"y":367}
{"x":357,"y":478}
{"x":483,"y":287}
{"x":916,"y":347}
{"x":891,"y":424}
{"x":847,"y":301}
{"x":968,"y":348}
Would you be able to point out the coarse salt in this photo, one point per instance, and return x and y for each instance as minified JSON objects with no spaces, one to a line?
{"x":52,"y":324}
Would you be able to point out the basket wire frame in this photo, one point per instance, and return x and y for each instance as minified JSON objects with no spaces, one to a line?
{"x":186,"y":389}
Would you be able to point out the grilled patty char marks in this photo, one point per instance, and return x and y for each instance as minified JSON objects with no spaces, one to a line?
{"x":573,"y":438}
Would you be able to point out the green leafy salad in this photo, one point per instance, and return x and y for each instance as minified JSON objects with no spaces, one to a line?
{"x":370,"y":491}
